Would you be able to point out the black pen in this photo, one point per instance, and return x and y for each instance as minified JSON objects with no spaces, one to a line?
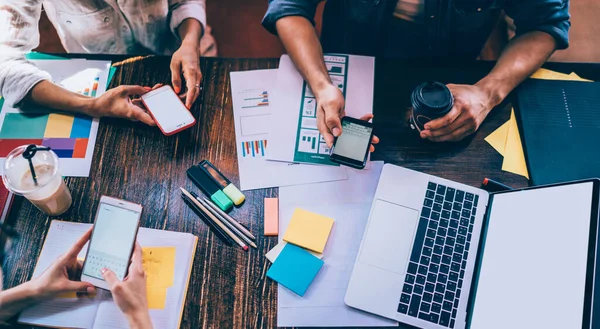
{"x":217,"y":230}
{"x":491,"y":185}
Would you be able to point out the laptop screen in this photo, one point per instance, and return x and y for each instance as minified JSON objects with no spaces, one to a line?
{"x":534,"y":259}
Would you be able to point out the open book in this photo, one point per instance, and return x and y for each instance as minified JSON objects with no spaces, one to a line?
{"x":167,"y":259}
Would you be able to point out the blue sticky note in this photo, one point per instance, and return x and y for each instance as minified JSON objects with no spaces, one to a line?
{"x":295,"y":268}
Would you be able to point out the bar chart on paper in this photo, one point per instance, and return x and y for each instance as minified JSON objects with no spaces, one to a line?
{"x":255,"y":98}
{"x":254,"y":149}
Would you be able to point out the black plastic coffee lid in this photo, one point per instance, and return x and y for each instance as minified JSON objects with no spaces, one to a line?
{"x":434,"y":95}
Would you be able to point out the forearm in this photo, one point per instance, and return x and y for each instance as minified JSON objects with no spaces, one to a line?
{"x":190,"y":31}
{"x":14,"y":300}
{"x":302,"y":44}
{"x":523,"y":56}
{"x":50,"y":95}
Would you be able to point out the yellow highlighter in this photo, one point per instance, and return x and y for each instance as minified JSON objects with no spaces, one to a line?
{"x":226,"y":186}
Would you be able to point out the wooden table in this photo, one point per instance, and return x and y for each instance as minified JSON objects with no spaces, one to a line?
{"x":228,"y":287}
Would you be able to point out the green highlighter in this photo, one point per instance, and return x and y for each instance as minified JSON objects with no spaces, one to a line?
{"x":206,"y":184}
{"x":226,"y":186}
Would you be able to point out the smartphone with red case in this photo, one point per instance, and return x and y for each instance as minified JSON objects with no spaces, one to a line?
{"x":169,"y":112}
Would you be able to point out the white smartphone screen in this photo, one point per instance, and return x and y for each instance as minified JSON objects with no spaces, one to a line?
{"x":353,"y":141}
{"x":112,"y":241}
{"x":167,"y":109}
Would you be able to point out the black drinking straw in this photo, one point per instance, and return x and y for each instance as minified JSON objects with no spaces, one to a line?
{"x":28,"y":154}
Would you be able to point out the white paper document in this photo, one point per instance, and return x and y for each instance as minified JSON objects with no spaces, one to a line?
{"x":294,"y":133}
{"x":71,"y":136}
{"x":348,"y":202}
{"x":251,"y":95}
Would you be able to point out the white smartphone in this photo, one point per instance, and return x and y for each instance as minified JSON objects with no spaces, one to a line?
{"x":168,"y":111}
{"x":113,"y":238}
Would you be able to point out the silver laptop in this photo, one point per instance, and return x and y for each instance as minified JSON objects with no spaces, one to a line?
{"x":439,"y":254}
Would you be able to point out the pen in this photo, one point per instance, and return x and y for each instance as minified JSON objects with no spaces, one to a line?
{"x":218,"y":232}
{"x":235,"y":223}
{"x":227,"y":223}
{"x":491,"y":185}
{"x":215,"y":220}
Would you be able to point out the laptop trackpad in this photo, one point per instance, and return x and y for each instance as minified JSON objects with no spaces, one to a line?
{"x":389,"y":237}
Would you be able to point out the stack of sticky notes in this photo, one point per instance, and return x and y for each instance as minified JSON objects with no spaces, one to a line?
{"x":297,"y":260}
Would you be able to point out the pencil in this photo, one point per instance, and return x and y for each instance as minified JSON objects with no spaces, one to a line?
{"x":235,"y":223}
{"x":227,"y":223}
{"x":214,"y":228}
{"x":215,"y":220}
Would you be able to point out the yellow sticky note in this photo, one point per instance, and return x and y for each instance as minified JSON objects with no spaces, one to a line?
{"x":59,"y":126}
{"x":159,"y":264}
{"x":514,"y":157}
{"x":157,"y":297}
{"x":308,"y":230}
{"x":497,"y":139}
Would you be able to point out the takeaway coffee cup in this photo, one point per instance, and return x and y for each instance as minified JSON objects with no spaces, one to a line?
{"x":430,"y":100}
{"x":32,"y":171}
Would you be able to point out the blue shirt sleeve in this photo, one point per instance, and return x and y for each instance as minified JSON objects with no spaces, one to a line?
{"x":550,"y":16}
{"x":283,"y":8}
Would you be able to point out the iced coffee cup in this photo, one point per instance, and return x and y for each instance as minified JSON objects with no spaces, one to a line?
{"x":33,"y":172}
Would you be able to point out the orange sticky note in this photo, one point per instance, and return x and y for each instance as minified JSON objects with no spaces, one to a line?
{"x":271,"y":216}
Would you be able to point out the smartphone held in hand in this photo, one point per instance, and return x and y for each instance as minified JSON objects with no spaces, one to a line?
{"x":168,"y":111}
{"x":351,"y":148}
{"x":113,"y":238}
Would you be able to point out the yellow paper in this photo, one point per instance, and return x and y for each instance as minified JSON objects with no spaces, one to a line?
{"x":59,"y":126}
{"x":157,"y":297}
{"x":159,"y":264}
{"x":308,"y":230}
{"x":545,"y":74}
{"x":497,"y":139}
{"x":514,"y":158}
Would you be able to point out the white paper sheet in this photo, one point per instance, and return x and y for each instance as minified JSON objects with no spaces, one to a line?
{"x":294,"y":133}
{"x":75,"y":75}
{"x":252,"y":94}
{"x":348,"y":203}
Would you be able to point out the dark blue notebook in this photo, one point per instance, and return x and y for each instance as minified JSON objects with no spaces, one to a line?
{"x":559,"y":123}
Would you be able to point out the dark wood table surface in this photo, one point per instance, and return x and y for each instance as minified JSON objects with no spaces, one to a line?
{"x":228,"y":287}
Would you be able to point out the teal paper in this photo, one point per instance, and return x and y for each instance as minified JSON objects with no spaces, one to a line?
{"x":295,"y":268}
{"x":36,"y":55}
{"x":111,"y":74}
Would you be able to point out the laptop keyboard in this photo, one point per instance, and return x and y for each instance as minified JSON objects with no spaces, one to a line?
{"x":435,"y":273}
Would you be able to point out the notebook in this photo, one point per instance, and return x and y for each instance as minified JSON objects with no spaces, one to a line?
{"x":167,"y":270}
{"x":560,"y":125}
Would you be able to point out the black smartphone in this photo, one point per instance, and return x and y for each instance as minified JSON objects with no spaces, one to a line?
{"x":351,"y":148}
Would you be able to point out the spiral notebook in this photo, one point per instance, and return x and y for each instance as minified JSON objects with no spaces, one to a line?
{"x":560,"y":125}
{"x":168,"y":258}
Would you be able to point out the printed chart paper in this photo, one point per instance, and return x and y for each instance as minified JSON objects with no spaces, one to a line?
{"x":295,"y":137}
{"x":349,"y":202}
{"x":71,"y":136}
{"x":252,"y":95}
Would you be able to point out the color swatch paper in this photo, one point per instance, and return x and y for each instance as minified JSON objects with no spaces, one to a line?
{"x":295,"y":269}
{"x":308,"y":230}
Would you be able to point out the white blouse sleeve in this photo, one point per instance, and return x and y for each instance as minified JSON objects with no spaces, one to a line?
{"x":19,"y":25}
{"x":182,"y":9}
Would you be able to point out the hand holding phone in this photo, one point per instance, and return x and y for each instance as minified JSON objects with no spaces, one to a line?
{"x":351,"y":148}
{"x":112,"y":242}
{"x":168,"y":111}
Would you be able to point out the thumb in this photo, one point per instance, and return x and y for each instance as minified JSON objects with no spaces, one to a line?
{"x":134,"y":90}
{"x":176,"y":76}
{"x":78,"y":286}
{"x":332,"y":120}
{"x":110,"y":277}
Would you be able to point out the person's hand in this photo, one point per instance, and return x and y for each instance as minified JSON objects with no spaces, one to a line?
{"x":117,"y":103}
{"x":330,"y":110}
{"x":186,"y":60}
{"x":63,"y":275}
{"x":471,"y":105}
{"x":130,"y":294}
